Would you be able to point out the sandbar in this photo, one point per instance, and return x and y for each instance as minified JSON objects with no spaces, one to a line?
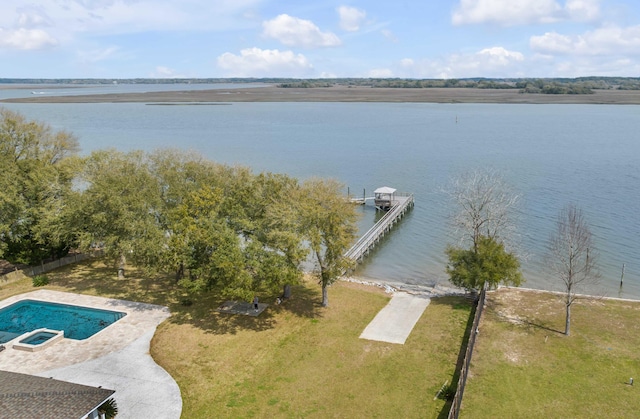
{"x":345,"y":94}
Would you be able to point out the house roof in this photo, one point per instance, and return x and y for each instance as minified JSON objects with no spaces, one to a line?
{"x":385,"y":190}
{"x":25,"y":396}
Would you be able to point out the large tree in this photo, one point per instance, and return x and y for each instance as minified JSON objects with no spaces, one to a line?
{"x":572,"y":257}
{"x":484,"y":225}
{"x":485,"y":206}
{"x":328,"y":222}
{"x":37,"y":165}
{"x":227,"y":227}
{"x":488,"y":264}
{"x":117,"y":208}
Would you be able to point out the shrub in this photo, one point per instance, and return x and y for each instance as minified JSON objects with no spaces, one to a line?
{"x":109,"y":409}
{"x":40,"y":280}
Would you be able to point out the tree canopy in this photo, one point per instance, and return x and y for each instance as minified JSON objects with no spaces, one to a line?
{"x":488,"y":264}
{"x":210,"y":224}
{"x":37,"y":165}
{"x":327,"y":221}
{"x":484,"y":221}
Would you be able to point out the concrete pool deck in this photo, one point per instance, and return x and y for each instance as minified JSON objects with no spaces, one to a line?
{"x":116,"y":358}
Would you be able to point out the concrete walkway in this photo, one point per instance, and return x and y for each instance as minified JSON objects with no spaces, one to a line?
{"x":396,"y":320}
{"x":143,"y":388}
{"x":116,"y":358}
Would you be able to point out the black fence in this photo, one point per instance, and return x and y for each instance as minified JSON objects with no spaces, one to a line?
{"x":464,"y":370}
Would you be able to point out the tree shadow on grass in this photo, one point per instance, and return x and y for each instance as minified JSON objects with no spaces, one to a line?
{"x":543,"y":326}
{"x":457,"y":303}
{"x":499,"y":308}
{"x":93,"y":277}
{"x":204,"y":314}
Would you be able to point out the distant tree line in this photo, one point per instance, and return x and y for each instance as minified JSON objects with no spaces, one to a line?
{"x":575,"y":86}
{"x":579,"y":85}
{"x":208,"y":224}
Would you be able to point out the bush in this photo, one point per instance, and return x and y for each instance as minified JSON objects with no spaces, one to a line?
{"x":448,"y":392}
{"x":109,"y":408}
{"x":40,"y":280}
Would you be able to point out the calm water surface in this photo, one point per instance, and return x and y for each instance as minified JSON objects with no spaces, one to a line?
{"x":551,"y":154}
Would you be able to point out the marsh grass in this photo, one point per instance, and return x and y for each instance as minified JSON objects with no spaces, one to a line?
{"x":294,"y":360}
{"x":525,"y":367}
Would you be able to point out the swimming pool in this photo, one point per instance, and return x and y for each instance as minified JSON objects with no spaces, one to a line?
{"x":77,"y":322}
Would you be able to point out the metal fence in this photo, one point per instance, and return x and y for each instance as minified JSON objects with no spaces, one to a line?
{"x":32,"y":271}
{"x":464,"y":370}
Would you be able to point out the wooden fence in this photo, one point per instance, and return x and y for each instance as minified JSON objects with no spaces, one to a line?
{"x":32,"y":271}
{"x":464,"y":370}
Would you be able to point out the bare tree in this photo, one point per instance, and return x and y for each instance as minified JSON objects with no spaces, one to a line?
{"x":486,"y":208}
{"x":572,"y":257}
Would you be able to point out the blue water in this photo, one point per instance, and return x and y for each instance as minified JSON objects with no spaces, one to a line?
{"x":77,"y":322}
{"x":38,"y":338}
{"x":551,"y":155}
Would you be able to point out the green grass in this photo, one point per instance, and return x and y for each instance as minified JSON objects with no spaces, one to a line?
{"x":295,"y":360}
{"x":525,"y":367}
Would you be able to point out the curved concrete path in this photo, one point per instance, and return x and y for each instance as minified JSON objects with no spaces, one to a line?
{"x":143,"y":388}
{"x":115,"y":358}
{"x":396,"y":320}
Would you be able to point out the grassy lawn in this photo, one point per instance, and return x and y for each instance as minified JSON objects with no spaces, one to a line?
{"x":294,"y":360}
{"x":524,"y":366}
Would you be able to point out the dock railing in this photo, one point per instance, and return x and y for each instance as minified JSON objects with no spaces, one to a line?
{"x":402,"y":202}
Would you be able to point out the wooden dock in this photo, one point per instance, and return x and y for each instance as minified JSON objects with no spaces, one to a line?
{"x":402,"y":202}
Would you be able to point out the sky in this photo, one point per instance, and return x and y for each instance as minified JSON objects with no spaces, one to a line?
{"x":319,"y":38}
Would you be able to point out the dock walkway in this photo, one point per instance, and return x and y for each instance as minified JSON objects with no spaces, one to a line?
{"x":401,"y":204}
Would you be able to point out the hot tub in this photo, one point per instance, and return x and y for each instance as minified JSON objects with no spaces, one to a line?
{"x":38,"y":339}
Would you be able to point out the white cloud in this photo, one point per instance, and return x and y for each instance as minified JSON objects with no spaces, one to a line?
{"x":389,"y":35}
{"x":97,"y":55}
{"x":605,"y":41}
{"x":380,"y":73}
{"x":26,"y":39}
{"x":351,"y":18}
{"x":292,"y":31}
{"x":583,"y":10}
{"x":407,"y":62}
{"x":522,"y":12}
{"x":489,"y":62}
{"x":256,"y":62}
{"x":162,"y":72}
{"x":33,"y":17}
{"x":127,"y":16}
{"x":499,"y":56}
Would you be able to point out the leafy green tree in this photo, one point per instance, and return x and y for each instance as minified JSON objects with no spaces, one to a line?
{"x":327,"y":220}
{"x":227,"y":227}
{"x":38,"y":167}
{"x":484,"y":220}
{"x":180,"y":177}
{"x":487,"y":264}
{"x":262,"y":209}
{"x":209,"y":249}
{"x":118,"y":208}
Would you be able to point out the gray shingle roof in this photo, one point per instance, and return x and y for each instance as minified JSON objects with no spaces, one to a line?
{"x":25,"y":396}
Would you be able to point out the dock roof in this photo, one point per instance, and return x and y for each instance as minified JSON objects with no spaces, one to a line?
{"x":385,"y":190}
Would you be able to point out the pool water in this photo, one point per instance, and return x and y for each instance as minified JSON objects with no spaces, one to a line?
{"x":77,"y":322}
{"x":38,"y":338}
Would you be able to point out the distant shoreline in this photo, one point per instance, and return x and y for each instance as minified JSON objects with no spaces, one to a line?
{"x":345,"y":94}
